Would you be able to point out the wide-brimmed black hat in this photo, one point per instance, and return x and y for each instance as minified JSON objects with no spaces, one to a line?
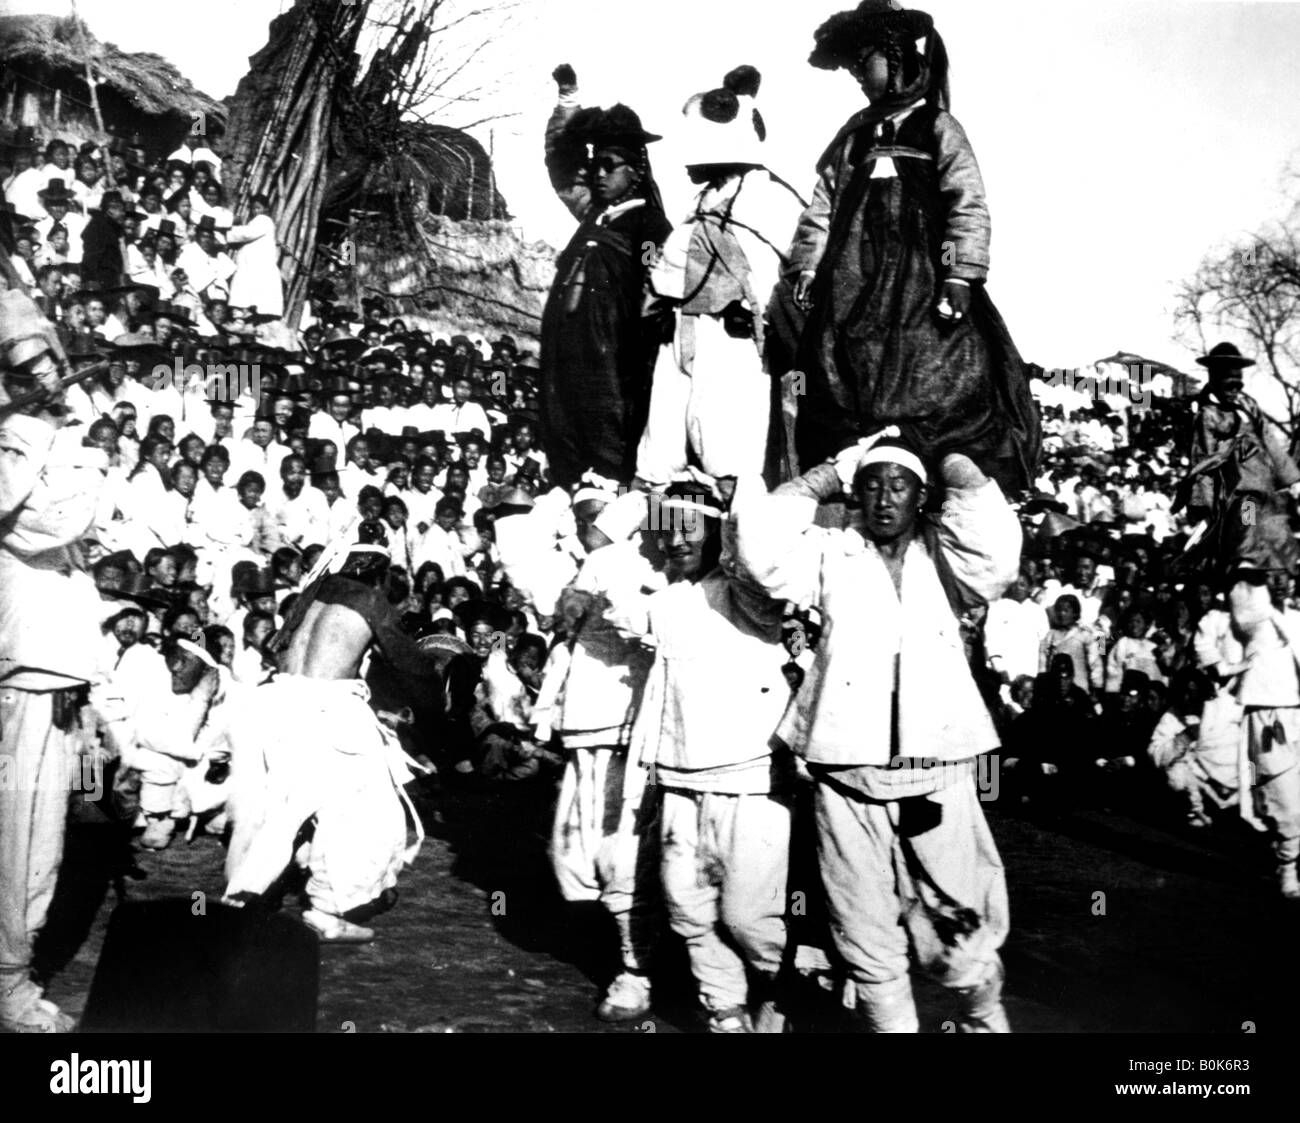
{"x":382,"y":355}
{"x":56,"y":191}
{"x":135,"y":345}
{"x":339,"y":384}
{"x":1225,"y":356}
{"x":86,"y":344}
{"x":10,"y":214}
{"x":842,"y":37}
{"x":615,"y":127}
{"x":174,"y":312}
{"x":342,"y":343}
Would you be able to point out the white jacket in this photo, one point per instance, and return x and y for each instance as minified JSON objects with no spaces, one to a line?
{"x":256,"y":279}
{"x":49,"y":611}
{"x":843,"y":712}
{"x":715,"y":692}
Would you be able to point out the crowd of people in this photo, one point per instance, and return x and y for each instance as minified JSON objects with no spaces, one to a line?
{"x":656,"y":567}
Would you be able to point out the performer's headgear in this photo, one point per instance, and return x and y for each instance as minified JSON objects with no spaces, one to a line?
{"x":724,"y":126}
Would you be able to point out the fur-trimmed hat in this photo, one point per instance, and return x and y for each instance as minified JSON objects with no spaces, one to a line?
{"x":842,"y":37}
{"x":616,"y":127}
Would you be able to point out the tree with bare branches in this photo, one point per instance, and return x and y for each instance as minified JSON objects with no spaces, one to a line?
{"x":352,"y":108}
{"x":1251,"y":290}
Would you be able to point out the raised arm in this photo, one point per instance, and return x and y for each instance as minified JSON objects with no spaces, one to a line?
{"x":566,"y":160}
{"x":777,"y":545}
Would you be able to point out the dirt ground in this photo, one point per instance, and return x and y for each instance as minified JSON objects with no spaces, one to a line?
{"x":1116,"y":926}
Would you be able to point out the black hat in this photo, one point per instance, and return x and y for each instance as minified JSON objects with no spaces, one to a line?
{"x":1134,"y":682}
{"x":383,"y":448}
{"x":616,"y":127}
{"x":173,"y":312}
{"x":257,"y":583}
{"x":1223,"y":357}
{"x":137,"y":346}
{"x":343,"y":343}
{"x":56,"y":191}
{"x":338,"y":385}
{"x":206,"y":222}
{"x":505,"y":343}
{"x":838,"y":41}
{"x":86,"y":344}
{"x":382,"y":355}
{"x":140,"y":589}
{"x":8,"y":212}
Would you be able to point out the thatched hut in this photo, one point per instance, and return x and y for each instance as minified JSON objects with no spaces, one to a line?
{"x":43,"y":86}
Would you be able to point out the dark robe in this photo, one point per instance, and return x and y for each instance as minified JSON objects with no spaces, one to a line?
{"x":596,"y":355}
{"x":874,"y":351}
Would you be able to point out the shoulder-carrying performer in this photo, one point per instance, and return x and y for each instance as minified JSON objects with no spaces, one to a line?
{"x":50,"y":487}
{"x":1241,"y":471}
{"x":595,"y":356}
{"x":604,"y":838}
{"x":892,"y":256}
{"x":714,"y":696}
{"x":711,"y":393}
{"x":906,"y":855}
{"x":309,"y":746}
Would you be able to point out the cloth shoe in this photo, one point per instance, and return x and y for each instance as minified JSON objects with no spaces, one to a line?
{"x":627,"y":999}
{"x":158,"y":831}
{"x":25,"y":1010}
{"x":735,"y":1020}
{"x":335,"y":930}
{"x":982,"y":1010}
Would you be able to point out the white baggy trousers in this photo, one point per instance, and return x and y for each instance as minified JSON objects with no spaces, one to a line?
{"x":605,"y":844}
{"x":724,"y":867}
{"x":938,"y":889}
{"x":35,"y":758}
{"x":715,"y":403}
{"x":314,"y":748}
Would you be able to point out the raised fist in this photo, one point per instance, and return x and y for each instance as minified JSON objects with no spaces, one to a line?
{"x":565,"y":78}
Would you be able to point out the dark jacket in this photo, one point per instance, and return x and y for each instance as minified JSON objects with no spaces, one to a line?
{"x":102,"y":265}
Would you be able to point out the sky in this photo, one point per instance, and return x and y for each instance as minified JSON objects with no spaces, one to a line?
{"x":1119,"y":142}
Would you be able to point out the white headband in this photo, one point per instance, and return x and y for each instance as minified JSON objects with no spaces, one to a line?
{"x":195,"y":649}
{"x":690,"y":505}
{"x":589,"y":494}
{"x":595,"y":487}
{"x":369,"y":548}
{"x":890,"y":454}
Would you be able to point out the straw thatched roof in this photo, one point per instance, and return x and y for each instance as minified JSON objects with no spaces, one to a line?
{"x":55,"y":46}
